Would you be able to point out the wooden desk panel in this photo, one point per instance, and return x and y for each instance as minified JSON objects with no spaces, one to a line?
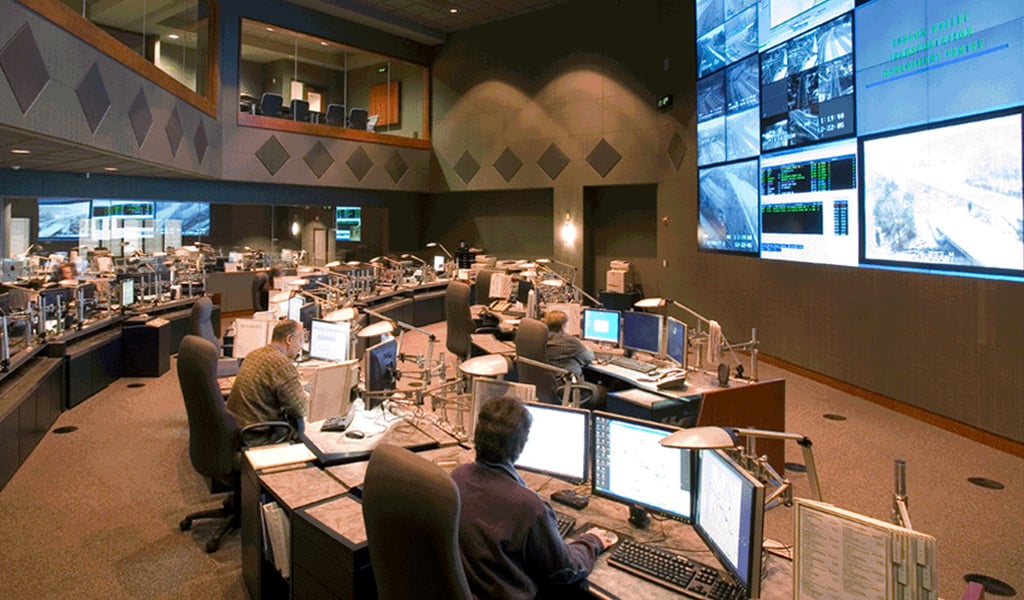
{"x":760,"y":405}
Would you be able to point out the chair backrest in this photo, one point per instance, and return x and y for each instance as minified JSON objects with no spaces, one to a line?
{"x":212,"y":430}
{"x":457,"y":315}
{"x":482,"y":287}
{"x":411,"y":513}
{"x":259,"y":297}
{"x":270,"y":104}
{"x":300,"y":110}
{"x":531,"y":342}
{"x":202,"y":321}
{"x":335,"y":114}
{"x":357,"y":118}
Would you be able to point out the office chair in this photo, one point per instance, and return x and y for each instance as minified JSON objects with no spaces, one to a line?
{"x":411,"y":514}
{"x":460,"y":323}
{"x":202,"y":326}
{"x":260,"y":298}
{"x":550,"y":381}
{"x":300,"y":110}
{"x":215,"y":441}
{"x":270,"y":104}
{"x":335,"y":115}
{"x":357,"y":118}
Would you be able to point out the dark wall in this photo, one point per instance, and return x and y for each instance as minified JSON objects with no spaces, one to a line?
{"x":621,"y":224}
{"x":507,"y":224}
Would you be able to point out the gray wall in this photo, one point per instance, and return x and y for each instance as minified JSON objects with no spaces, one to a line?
{"x":506,"y":224}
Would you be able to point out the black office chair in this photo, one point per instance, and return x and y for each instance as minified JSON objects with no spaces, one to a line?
{"x":460,"y":323}
{"x":357,"y":118}
{"x":202,"y":326}
{"x":411,"y":514}
{"x":214,"y":439}
{"x":270,"y":104}
{"x":260,"y":297}
{"x":335,"y":115}
{"x":300,"y":110}
{"x":553,"y":386}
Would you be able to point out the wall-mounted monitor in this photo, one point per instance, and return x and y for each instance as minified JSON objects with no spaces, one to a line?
{"x":728,"y":208}
{"x":728,"y":119}
{"x":946,"y":197}
{"x":809,"y":204}
{"x":61,"y":218}
{"x":726,"y":32}
{"x":194,"y":216}
{"x":348,"y":223}
{"x":779,"y":20}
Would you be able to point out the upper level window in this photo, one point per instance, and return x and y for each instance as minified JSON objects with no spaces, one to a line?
{"x":174,"y":35}
{"x":342,"y":91}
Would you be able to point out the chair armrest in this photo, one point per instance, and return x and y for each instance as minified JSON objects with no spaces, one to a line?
{"x":282,"y":431}
{"x":587,"y":391}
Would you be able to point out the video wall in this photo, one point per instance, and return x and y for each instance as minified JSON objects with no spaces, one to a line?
{"x":100,"y":220}
{"x":863,"y":132}
{"x":348,"y":224}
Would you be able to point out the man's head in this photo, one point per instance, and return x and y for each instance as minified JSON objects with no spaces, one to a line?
{"x":66,"y":271}
{"x":288,"y":336}
{"x":502,"y":430}
{"x":555,"y":320}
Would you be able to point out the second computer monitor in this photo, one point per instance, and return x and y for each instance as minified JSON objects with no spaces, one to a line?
{"x":558,"y":442}
{"x":382,"y":366}
{"x":630,"y":465}
{"x":675,"y":341}
{"x":642,"y":331}
{"x":329,"y":340}
{"x":601,"y":325}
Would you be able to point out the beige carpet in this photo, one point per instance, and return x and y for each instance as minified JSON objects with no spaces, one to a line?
{"x":94,"y":513}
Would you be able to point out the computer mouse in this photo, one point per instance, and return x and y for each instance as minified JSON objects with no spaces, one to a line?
{"x":355,"y":434}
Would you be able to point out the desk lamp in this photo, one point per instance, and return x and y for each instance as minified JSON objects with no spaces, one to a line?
{"x":443,"y":249}
{"x":709,"y":438}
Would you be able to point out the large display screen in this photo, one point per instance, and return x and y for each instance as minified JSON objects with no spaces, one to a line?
{"x":779,"y":20}
{"x":726,"y":32}
{"x":728,"y":219}
{"x":947,"y":196}
{"x":194,"y":216}
{"x":61,"y":218}
{"x":348,"y":223}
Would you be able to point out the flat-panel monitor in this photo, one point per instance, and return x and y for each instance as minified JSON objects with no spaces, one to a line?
{"x":601,"y":325}
{"x":307,"y":313}
{"x":439,"y":262}
{"x":348,"y":223}
{"x":194,"y":216}
{"x":558,"y":443}
{"x":947,"y":197}
{"x":642,"y":331}
{"x":630,"y":465}
{"x":728,"y":115}
{"x":523,"y":289}
{"x":294,"y":307}
{"x":779,"y":20}
{"x":573,"y":313}
{"x":486,"y":389}
{"x":675,"y":341}
{"x":729,"y":516}
{"x":127,"y":292}
{"x":61,"y":218}
{"x":382,"y":366}
{"x":329,"y":340}
{"x":727,"y":208}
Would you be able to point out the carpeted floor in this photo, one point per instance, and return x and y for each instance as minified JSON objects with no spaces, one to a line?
{"x":94,"y":513}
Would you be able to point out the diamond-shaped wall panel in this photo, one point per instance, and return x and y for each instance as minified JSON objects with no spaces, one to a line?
{"x":603,"y":158}
{"x":507,"y":165}
{"x":677,"y":150}
{"x":24,"y":68}
{"x":200,"y":142}
{"x":93,"y":98}
{"x":467,"y":167}
{"x":318,"y":159}
{"x":553,"y":162}
{"x":273,"y":155}
{"x":359,"y":163}
{"x":140,"y":117}
{"x":396,"y":167}
{"x":175,"y":131}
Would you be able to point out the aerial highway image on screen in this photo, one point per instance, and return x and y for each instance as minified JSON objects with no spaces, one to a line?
{"x":728,"y":208}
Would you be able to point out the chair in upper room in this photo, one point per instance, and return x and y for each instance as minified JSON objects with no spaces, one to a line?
{"x":357,"y":118}
{"x":411,"y":513}
{"x":270,"y":104}
{"x":202,"y":326}
{"x":300,"y":110}
{"x":335,"y":115}
{"x":551,"y":383}
{"x":215,"y":441}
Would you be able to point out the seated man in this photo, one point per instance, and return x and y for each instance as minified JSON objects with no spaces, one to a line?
{"x":267,"y":387}
{"x":568,"y":352}
{"x":508,"y":535}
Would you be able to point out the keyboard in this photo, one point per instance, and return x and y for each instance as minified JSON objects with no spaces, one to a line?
{"x":673,"y":571}
{"x":566,"y":523}
{"x":632,"y":364}
{"x":338,"y":422}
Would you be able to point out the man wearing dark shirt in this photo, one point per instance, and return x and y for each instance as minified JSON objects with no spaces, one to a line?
{"x":508,"y":535}
{"x":565,"y":351}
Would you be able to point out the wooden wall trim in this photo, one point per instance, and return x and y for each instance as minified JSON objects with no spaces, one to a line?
{"x":329,"y":131}
{"x":970,"y":432}
{"x":70,"y":21}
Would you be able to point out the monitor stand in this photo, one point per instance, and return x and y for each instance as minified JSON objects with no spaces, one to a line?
{"x":638,"y":516}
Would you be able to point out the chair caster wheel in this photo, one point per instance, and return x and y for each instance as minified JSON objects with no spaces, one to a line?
{"x":185,"y":524}
{"x":211,"y":546}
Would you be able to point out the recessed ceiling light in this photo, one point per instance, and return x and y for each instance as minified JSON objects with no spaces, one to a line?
{"x":110,"y":169}
{"x":20,"y":151}
{"x":174,"y":36}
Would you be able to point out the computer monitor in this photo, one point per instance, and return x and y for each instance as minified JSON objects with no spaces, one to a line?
{"x":558,"y":443}
{"x":439,"y":260}
{"x":294,"y":306}
{"x":729,"y":516}
{"x":330,"y":390}
{"x":601,"y":325}
{"x":630,"y":465}
{"x":329,"y":340}
{"x":486,"y":389}
{"x":127,"y":292}
{"x":675,"y":341}
{"x":308,"y":312}
{"x":382,"y":366}
{"x":523,"y":291}
{"x":642,"y":331}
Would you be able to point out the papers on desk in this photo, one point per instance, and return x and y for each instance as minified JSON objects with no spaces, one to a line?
{"x":278,"y":455}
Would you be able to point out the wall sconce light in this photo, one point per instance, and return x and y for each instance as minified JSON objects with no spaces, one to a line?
{"x":568,"y":231}
{"x":295,"y":229}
